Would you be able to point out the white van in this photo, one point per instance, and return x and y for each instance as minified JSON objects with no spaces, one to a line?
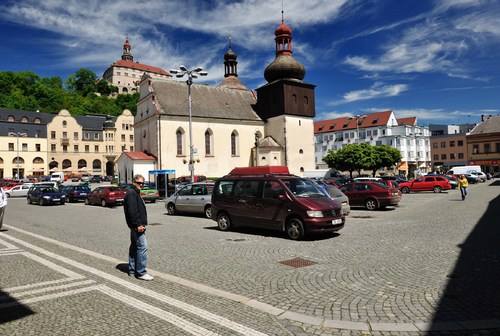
{"x":57,"y":177}
{"x":463,"y":170}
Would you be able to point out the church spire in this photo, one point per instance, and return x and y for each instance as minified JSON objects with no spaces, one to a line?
{"x":230,"y":63}
{"x":127,"y":54}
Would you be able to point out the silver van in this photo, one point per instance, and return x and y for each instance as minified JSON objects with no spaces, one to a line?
{"x":191,"y":198}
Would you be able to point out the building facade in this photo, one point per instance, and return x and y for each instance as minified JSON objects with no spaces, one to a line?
{"x":449,"y":146}
{"x":380,"y":128}
{"x":35,"y":144}
{"x":231,"y":126}
{"x":483,"y":145}
{"x":125,"y":74}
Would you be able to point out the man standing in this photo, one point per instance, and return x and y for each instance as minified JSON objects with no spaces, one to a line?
{"x":3,"y":205}
{"x":137,"y":220}
{"x":463,"y":184}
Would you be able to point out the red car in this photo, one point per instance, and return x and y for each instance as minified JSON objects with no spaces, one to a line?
{"x":426,"y":183}
{"x":106,"y":196}
{"x":371,"y":195}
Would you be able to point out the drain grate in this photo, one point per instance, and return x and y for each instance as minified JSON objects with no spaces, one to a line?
{"x":297,"y":262}
{"x":236,"y":239}
{"x":360,"y":216}
{"x":153,"y":224}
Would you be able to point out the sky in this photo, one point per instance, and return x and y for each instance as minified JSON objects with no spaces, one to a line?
{"x":438,"y":60}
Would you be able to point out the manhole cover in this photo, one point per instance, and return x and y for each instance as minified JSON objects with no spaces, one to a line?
{"x":153,"y":224}
{"x":297,"y":262}
{"x":236,"y":240}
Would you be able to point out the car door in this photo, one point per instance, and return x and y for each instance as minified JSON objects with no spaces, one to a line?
{"x":241,"y":204}
{"x":94,"y":195}
{"x":429,"y":183}
{"x":418,"y":184}
{"x":270,"y":204}
{"x":184,"y":198}
{"x":199,"y":197}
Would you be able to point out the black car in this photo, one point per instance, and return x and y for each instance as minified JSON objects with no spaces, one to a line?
{"x":75,"y":193}
{"x":96,"y":179}
{"x":45,"y":195}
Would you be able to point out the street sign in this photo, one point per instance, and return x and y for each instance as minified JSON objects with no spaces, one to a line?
{"x":160,"y":172}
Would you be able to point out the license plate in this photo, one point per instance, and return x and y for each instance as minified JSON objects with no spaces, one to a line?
{"x":83,"y":194}
{"x":337,"y":221}
{"x":56,"y":199}
{"x":119,"y":199}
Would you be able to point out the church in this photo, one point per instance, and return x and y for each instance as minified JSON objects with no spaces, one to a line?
{"x":231,"y":125}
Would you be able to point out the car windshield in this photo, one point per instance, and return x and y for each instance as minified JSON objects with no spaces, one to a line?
{"x":115,"y":188}
{"x":301,"y":187}
{"x":380,"y":184}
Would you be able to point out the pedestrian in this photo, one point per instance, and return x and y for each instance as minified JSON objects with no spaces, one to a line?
{"x":137,"y":220}
{"x":463,"y":184}
{"x":3,"y":205}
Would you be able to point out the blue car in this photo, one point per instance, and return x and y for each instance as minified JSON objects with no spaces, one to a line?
{"x":75,"y":193}
{"x":45,"y":195}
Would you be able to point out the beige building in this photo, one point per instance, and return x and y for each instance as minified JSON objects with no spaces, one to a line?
{"x":230,"y":126}
{"x":126,"y":74}
{"x":483,"y":145}
{"x":90,"y":143}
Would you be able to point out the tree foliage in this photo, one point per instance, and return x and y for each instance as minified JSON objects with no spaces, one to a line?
{"x":355,"y":157}
{"x":25,"y":90}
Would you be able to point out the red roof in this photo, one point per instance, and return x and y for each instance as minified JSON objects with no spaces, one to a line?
{"x":411,"y":121}
{"x":339,"y":124}
{"x":140,"y":66}
{"x":139,"y":156}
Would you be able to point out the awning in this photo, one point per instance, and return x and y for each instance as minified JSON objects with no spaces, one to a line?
{"x":423,"y":165}
{"x":403,"y":166}
{"x":55,"y":169}
{"x":67,"y":169}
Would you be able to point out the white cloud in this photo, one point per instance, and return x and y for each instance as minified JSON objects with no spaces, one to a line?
{"x":378,"y":90}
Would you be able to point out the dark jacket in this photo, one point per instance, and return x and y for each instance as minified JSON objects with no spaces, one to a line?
{"x":134,"y":208}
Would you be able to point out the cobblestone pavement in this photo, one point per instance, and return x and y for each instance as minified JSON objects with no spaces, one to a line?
{"x":430,"y":266}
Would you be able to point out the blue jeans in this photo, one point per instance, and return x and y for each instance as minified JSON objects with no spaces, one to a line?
{"x":463,"y":191}
{"x":137,"y":253}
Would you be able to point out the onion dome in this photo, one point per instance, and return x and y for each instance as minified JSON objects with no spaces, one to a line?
{"x":230,"y":55}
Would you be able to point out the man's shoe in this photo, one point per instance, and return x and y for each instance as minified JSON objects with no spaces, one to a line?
{"x":145,"y":277}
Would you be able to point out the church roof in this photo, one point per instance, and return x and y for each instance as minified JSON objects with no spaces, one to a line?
{"x":232,"y":82}
{"x":207,"y":101}
{"x":140,"y":67}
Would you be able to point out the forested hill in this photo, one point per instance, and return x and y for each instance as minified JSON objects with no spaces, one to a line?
{"x":82,"y":93}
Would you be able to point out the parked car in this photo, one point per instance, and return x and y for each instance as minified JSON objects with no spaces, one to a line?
{"x":95,"y":179}
{"x":371,"y":195}
{"x":106,"y":196}
{"x":20,"y":190}
{"x":334,"y":193}
{"x":453,"y":181}
{"x":436,"y":183}
{"x":45,"y":195}
{"x":398,"y":179}
{"x":480,"y":176}
{"x":148,"y":192}
{"x":191,"y":198}
{"x":472,"y":179}
{"x":390,"y":183}
{"x":269,"y":197}
{"x":75,"y":193}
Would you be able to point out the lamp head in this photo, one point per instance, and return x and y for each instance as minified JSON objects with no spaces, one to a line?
{"x":203,"y":73}
{"x":198,"y":69}
{"x":183,"y":68}
{"x":174,"y":71}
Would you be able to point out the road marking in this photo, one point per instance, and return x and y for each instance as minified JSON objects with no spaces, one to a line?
{"x":48,"y":289}
{"x":141,"y":290}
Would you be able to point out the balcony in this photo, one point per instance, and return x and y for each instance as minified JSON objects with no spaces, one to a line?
{"x":65,"y":141}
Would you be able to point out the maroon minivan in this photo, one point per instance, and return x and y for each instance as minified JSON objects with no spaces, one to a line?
{"x":270,"y":197}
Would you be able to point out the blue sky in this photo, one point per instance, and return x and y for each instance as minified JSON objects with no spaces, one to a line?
{"x":437,"y":60}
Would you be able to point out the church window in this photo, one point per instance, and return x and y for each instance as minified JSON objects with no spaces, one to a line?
{"x":294,"y":98}
{"x":234,"y":143}
{"x":180,"y":141}
{"x":208,"y":143}
{"x":306,"y":100}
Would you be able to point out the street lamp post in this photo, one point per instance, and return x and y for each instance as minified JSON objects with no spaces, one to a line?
{"x":17,"y":135}
{"x":357,"y":118}
{"x":191,"y":74}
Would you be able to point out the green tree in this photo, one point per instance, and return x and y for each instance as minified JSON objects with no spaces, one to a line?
{"x":83,"y":81}
{"x":351,"y":158}
{"x":386,"y":156}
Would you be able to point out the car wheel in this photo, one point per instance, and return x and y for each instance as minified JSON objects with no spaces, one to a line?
{"x":371,"y":204}
{"x":8,"y":195}
{"x":104,"y":203}
{"x":223,"y":222}
{"x":171,"y":209}
{"x":405,"y":190}
{"x":437,"y":189}
{"x":208,"y":211}
{"x":29,"y":200}
{"x":295,"y":229}
{"x":153,"y":201}
{"x":42,"y":202}
{"x":87,"y":202}
{"x":62,"y":203}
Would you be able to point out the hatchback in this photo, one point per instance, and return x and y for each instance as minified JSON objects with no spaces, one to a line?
{"x":45,"y":195}
{"x":426,"y":183}
{"x":193,"y":198}
{"x":106,"y":196}
{"x":371,"y":195}
{"x":20,"y":190}
{"x":75,"y":193}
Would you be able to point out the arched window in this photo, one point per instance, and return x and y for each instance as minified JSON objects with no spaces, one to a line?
{"x":209,"y":142}
{"x":82,"y":164}
{"x":234,"y":143}
{"x":179,"y":135}
{"x":24,"y":119}
{"x":294,"y":98}
{"x":301,"y":151}
{"x":96,"y":165}
{"x":11,"y":118}
{"x":1,"y":160}
{"x":38,"y":160}
{"x":66,"y":164}
{"x":124,"y":90}
{"x":21,"y":160}
{"x":306,"y":100}
{"x":37,"y":120}
{"x":301,"y":169}
{"x":64,"y":123}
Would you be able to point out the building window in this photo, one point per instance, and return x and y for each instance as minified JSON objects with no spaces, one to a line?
{"x":475,"y":149}
{"x":82,"y":164}
{"x":96,"y":148}
{"x":65,"y":148}
{"x":24,"y":119}
{"x":87,"y":135}
{"x":131,"y":138}
{"x":487,"y":148}
{"x":180,"y":143}
{"x":38,"y":147}
{"x":123,"y":137}
{"x":131,"y":148}
{"x":65,"y":123}
{"x":96,"y":136}
{"x":234,"y":143}
{"x":436,"y":157}
{"x":460,"y":143}
{"x":75,"y":135}
{"x":208,"y":142}
{"x":435,"y":145}
{"x":37,"y":120}
{"x":52,"y":148}
{"x":443,"y":156}
{"x":497,"y":145}
{"x":38,"y":160}
{"x":65,"y":135}
{"x":452,"y":156}
{"x":25,"y":147}
{"x":11,"y":146}
{"x":75,"y":148}
{"x":443,"y":144}
{"x":96,"y":165}
{"x":87,"y":148}
{"x":452,"y":143}
{"x":52,"y":134}
{"x":124,"y":148}
{"x":460,"y":155}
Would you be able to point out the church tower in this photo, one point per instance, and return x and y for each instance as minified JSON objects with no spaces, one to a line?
{"x":127,"y":53}
{"x":231,"y":80}
{"x":287,"y":104}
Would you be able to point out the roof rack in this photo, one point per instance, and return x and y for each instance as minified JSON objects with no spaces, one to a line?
{"x":260,"y":170}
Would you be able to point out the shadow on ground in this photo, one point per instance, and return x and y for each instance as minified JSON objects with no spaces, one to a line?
{"x":11,"y":309}
{"x":471,"y":299}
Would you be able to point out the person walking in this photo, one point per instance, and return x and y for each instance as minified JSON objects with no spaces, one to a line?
{"x":137,"y":220}
{"x":3,"y":205}
{"x":463,"y":184}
